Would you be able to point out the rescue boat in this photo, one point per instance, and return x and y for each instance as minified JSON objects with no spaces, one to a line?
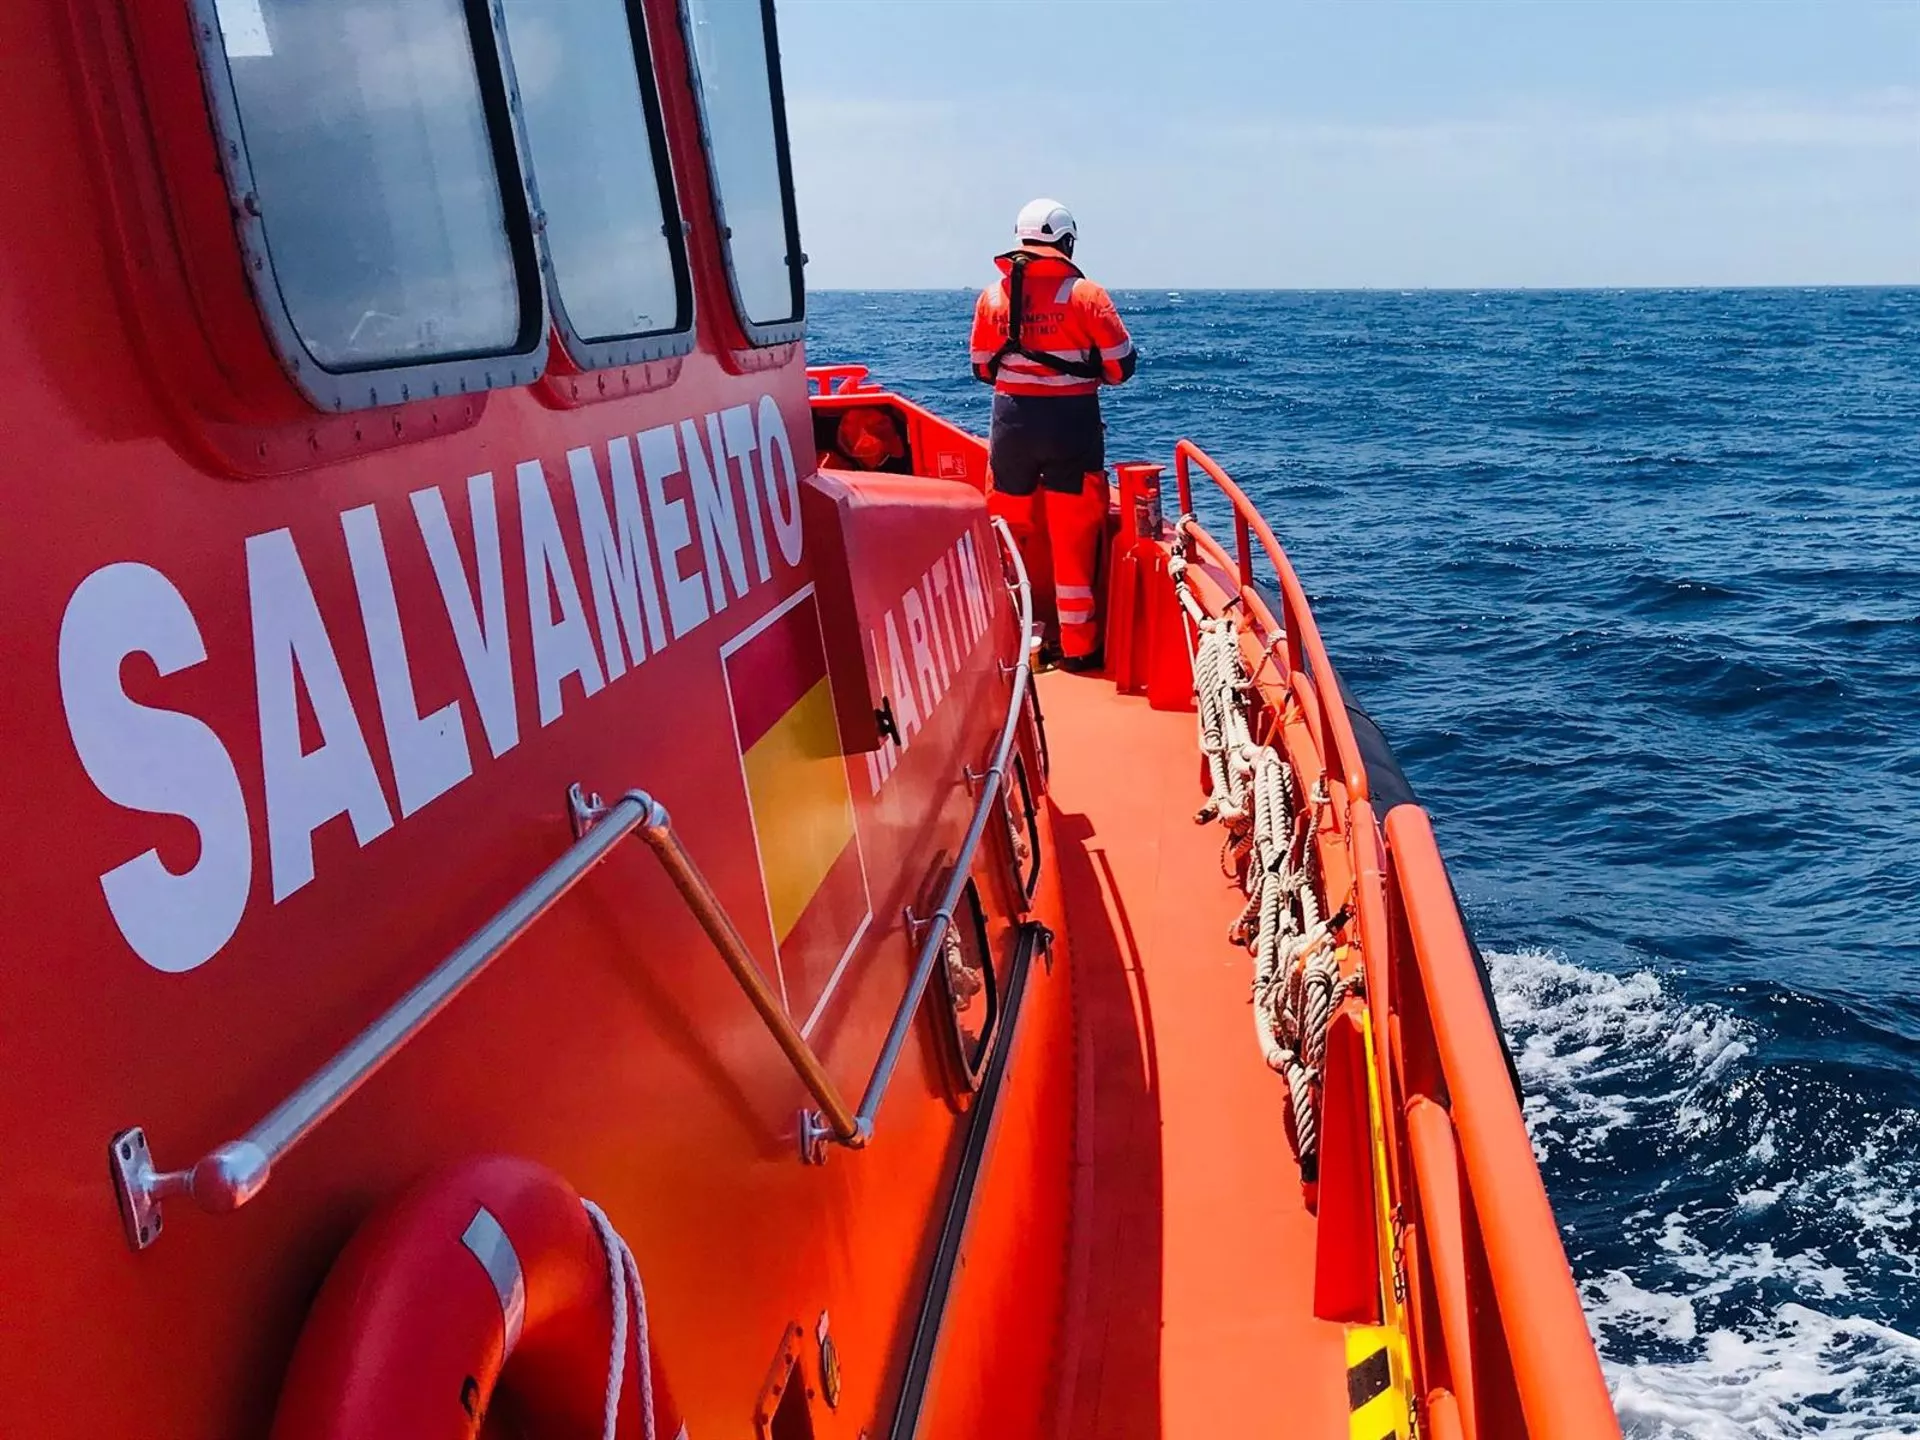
{"x":542,"y":910}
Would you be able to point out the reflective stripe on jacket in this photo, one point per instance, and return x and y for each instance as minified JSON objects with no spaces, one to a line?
{"x":1067,"y":324}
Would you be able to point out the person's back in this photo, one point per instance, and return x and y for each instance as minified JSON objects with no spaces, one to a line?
{"x":1046,"y":338}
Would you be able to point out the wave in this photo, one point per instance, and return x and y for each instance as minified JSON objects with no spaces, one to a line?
{"x":1630,"y":579}
{"x":1802,"y":1373}
{"x":1741,"y":1301}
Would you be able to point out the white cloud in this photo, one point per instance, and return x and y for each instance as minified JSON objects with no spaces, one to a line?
{"x":1887,"y":120}
{"x":1740,"y":189}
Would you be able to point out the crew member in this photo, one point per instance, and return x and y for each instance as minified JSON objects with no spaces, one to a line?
{"x":870,"y":437}
{"x":1047,"y":338}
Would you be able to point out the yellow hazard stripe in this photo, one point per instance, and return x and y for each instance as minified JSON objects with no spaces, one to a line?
{"x":1379,"y":1364}
{"x":1376,"y":1397}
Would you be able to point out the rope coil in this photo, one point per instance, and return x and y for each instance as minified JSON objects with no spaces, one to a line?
{"x":1220,"y":683}
{"x":1271,"y":846}
{"x":964,"y":980}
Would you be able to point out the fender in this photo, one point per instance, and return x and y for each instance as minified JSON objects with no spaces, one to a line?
{"x":487,"y":1284}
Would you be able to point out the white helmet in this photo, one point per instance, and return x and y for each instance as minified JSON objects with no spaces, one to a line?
{"x":1045,"y":222}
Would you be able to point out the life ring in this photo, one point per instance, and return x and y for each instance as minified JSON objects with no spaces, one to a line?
{"x":491,"y":1286}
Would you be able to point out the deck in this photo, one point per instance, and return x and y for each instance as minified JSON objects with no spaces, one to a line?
{"x":1190,"y":1285}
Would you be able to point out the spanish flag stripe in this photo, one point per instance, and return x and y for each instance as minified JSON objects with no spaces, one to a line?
{"x":773,"y":671}
{"x":802,"y":812}
{"x":822,"y":940}
{"x":795,"y":777}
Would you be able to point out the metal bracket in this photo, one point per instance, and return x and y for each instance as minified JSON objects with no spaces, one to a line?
{"x":784,"y":1374}
{"x":134,"y":1187}
{"x":1043,"y":941}
{"x":1397,"y":1224}
{"x":220,"y":1182}
{"x":585,"y":809}
{"x":815,"y":1136}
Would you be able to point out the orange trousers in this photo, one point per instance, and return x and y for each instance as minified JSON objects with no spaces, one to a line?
{"x":1074,"y":526}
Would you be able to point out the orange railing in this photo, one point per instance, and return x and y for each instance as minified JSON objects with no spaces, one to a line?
{"x":1500,"y":1345}
{"x":839,"y":380}
{"x":1306,"y":655}
{"x":1471,"y":1129}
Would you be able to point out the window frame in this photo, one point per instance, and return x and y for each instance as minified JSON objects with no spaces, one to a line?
{"x":1021,"y":821}
{"x":648,"y":345}
{"x":785,"y":331}
{"x":390,"y":382}
{"x":1037,"y":727}
{"x":972,"y":1069}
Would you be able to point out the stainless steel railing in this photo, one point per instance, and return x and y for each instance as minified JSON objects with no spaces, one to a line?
{"x":230,"y":1175}
{"x":933,"y":929}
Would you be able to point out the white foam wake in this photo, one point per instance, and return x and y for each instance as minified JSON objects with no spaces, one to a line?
{"x":1752,"y":1341}
{"x":1801,"y":1372}
{"x":1598,"y":1052}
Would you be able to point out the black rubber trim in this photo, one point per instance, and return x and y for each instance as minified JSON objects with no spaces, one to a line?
{"x":1385,"y":779}
{"x":1486,"y":989}
{"x":953,"y":1228}
{"x":1390,"y":789}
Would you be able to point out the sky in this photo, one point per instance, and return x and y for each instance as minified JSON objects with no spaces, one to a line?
{"x":1370,"y":143}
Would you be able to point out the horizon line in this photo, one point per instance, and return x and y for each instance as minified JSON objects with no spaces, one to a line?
{"x":1402,"y":289}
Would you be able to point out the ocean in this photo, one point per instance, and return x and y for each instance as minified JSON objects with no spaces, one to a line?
{"x":1632,"y":582}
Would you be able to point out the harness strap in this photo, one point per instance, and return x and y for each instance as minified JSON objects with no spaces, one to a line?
{"x":1088,"y":369}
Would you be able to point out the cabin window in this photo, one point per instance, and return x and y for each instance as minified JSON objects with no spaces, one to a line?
{"x":1023,"y":829}
{"x":736,"y":61}
{"x":600,"y":166}
{"x":972,"y":988}
{"x":1037,"y":724}
{"x":377,"y":190}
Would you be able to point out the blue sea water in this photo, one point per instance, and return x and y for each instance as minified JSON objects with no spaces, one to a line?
{"x":1632,"y":581}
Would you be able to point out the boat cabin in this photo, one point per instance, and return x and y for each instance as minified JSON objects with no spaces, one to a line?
{"x":547,"y":897}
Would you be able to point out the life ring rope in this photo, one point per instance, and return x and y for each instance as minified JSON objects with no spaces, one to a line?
{"x":628,"y":1301}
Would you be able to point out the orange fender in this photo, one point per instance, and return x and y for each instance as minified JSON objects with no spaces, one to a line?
{"x":1346,"y":1262}
{"x":1436,"y":1166}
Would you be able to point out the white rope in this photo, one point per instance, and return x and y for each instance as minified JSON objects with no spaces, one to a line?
{"x":627,"y":1297}
{"x":1219,"y":685}
{"x":964,"y":981}
{"x":1296,"y":967}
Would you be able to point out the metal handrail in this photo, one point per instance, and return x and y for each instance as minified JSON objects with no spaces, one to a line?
{"x":935,"y":927}
{"x":1305,"y":650}
{"x":230,"y":1175}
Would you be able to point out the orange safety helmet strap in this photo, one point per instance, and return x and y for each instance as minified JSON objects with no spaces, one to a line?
{"x":1089,"y":369}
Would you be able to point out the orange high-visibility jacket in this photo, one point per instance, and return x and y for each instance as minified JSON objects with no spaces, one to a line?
{"x":1070,"y":339}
